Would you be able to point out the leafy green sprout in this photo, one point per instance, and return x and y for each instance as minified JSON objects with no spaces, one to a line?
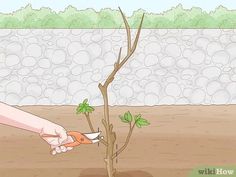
{"x":84,"y":108}
{"x":139,"y":121}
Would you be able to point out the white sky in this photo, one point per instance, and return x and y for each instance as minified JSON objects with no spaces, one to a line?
{"x":127,"y":5}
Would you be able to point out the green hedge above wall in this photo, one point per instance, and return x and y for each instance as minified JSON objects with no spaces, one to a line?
{"x":106,"y":18}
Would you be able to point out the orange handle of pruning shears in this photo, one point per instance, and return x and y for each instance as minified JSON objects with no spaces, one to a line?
{"x":74,"y":134}
{"x":77,"y":136}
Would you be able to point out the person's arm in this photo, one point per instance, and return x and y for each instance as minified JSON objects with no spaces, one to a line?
{"x":20,"y":119}
{"x":17,"y":118}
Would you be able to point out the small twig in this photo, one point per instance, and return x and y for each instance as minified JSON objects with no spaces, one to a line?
{"x":119,"y":56}
{"x":89,"y":121}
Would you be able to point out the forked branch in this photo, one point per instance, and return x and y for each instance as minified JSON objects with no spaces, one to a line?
{"x":131,"y":128}
{"x":130,"y":50}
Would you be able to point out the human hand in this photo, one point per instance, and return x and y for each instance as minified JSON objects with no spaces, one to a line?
{"x":56,"y":136}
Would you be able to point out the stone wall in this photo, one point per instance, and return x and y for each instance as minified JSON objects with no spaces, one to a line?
{"x":58,"y":67}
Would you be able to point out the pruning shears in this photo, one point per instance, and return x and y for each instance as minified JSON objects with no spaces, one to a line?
{"x":79,"y":138}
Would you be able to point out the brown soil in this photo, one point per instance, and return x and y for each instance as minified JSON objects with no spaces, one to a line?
{"x":178,"y":139}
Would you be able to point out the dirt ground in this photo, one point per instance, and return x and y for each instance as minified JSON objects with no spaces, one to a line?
{"x":178,"y":139}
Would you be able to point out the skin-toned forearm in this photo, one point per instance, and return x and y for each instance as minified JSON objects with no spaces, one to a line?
{"x":17,"y":118}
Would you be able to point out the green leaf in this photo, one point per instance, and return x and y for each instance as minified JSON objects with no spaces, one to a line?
{"x":79,"y":109}
{"x":140,"y":122}
{"x":137,"y":117}
{"x":123,"y":119}
{"x":128,"y":116}
{"x":85,"y":101}
{"x":84,"y":107}
{"x":90,"y":109}
{"x":138,"y":125}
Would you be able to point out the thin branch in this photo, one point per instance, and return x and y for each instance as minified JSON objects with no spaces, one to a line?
{"x":116,"y":65}
{"x":89,"y":121}
{"x":118,"y":152}
{"x":138,"y":35}
{"x":91,"y":127}
{"x":127,"y":27}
